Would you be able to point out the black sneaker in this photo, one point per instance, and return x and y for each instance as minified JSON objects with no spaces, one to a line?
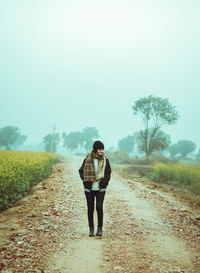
{"x":99,"y":231}
{"x":91,"y":232}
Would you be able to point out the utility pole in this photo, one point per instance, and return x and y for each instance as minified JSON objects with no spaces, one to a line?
{"x":52,"y":138}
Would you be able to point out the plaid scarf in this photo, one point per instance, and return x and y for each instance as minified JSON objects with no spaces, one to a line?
{"x":89,"y":169}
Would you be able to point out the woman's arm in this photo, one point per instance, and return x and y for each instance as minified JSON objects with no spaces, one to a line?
{"x":104,"y":182}
{"x":81,"y":170}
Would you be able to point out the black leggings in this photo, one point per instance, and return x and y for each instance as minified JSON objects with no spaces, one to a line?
{"x":99,"y":206}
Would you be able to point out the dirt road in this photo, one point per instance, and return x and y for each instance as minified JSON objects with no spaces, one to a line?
{"x":145,"y":229}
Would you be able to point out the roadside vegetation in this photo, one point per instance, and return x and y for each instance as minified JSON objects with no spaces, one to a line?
{"x":177,"y":174}
{"x":19,"y":171}
{"x":182,"y":175}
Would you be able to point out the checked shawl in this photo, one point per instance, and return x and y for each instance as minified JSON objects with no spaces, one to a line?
{"x":89,"y":169}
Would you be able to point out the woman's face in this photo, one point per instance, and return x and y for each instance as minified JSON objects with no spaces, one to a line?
{"x":99,"y":151}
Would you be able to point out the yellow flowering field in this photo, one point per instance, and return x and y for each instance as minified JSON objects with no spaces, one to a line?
{"x":176,"y":173}
{"x":19,"y":171}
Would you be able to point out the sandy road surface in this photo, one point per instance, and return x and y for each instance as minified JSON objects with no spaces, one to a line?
{"x":144,"y":230}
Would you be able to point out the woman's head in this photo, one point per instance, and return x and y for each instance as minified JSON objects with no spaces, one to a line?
{"x":98,"y":146}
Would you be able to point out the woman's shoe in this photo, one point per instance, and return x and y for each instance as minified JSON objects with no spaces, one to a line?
{"x":91,"y":232}
{"x":99,"y":231}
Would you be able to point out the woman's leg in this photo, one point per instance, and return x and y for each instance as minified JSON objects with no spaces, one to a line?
{"x":90,"y":207}
{"x":99,"y":207}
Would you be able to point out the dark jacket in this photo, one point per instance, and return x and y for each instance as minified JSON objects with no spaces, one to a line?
{"x":103,"y":183}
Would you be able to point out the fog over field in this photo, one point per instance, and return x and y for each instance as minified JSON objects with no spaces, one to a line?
{"x":83,"y":64}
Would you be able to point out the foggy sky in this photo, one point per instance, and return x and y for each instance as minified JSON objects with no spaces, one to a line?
{"x":84,"y":63}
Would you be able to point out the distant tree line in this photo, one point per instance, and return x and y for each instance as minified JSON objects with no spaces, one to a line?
{"x":155,"y":112}
{"x":73,"y":140}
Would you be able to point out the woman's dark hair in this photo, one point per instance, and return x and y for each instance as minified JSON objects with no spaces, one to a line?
{"x":98,"y":145}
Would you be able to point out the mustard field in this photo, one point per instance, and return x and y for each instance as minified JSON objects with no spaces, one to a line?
{"x":19,"y":171}
{"x":176,"y":173}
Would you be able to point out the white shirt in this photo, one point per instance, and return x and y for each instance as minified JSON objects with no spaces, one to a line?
{"x":95,"y":185}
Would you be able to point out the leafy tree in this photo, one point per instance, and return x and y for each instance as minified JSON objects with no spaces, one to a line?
{"x":126,"y":144}
{"x":10,"y":136}
{"x":186,"y":147}
{"x":84,"y":138}
{"x":159,"y":141}
{"x":72,"y":140}
{"x":51,"y":142}
{"x":173,"y":150}
{"x":155,"y":112}
{"x":89,"y":134}
{"x":183,"y":147}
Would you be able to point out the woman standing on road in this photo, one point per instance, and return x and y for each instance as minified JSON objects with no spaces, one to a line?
{"x":95,"y":173}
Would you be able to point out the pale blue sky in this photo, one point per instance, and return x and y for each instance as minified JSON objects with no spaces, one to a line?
{"x":84,"y":63}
